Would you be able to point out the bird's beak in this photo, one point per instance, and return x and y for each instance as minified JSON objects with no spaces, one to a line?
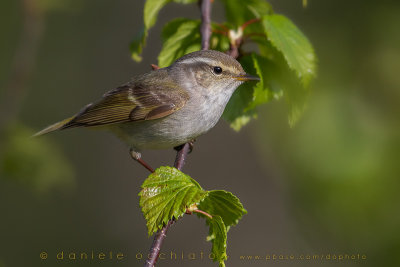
{"x":246,"y":77}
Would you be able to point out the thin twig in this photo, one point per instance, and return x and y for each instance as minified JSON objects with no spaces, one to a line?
{"x":185,"y":149}
{"x":205,"y":24}
{"x":144,"y":164}
{"x":249,"y":22}
{"x":220,"y":32}
{"x":222,"y":26}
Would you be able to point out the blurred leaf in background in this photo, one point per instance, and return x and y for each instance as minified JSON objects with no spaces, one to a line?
{"x":342,"y":159}
{"x":342,"y":164}
{"x":36,"y":163}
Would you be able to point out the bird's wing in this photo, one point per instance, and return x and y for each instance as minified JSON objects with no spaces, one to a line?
{"x":131,"y":103}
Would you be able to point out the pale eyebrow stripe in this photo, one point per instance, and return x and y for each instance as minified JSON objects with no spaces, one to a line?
{"x":200,"y":59}
{"x":206,"y":61}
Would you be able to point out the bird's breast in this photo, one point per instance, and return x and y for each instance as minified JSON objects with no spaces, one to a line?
{"x":196,"y":117}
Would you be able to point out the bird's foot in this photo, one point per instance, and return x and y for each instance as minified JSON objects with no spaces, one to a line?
{"x":191,"y":146}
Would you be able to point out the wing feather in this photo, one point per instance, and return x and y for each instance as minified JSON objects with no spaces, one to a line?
{"x":131,"y":102}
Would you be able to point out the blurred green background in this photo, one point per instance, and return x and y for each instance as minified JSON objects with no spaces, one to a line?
{"x":327,"y":186}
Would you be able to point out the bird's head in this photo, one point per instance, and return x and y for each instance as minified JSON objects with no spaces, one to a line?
{"x":210,"y":71}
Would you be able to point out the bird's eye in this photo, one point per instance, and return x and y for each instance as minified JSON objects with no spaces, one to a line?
{"x":217,"y":70}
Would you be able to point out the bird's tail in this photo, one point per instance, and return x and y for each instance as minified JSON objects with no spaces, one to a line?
{"x":54,"y":127}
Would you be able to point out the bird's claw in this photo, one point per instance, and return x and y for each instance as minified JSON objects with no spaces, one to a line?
{"x":190,"y":143}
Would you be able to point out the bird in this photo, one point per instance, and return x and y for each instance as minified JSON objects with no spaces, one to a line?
{"x":166,"y":107}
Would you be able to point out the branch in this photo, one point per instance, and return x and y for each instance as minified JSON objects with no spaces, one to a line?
{"x":160,"y":236}
{"x":185,"y":149}
{"x":205,"y":24}
{"x":156,"y":246}
{"x":234,"y":48}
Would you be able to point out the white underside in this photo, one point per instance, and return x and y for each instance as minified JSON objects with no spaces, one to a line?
{"x":198,"y":116}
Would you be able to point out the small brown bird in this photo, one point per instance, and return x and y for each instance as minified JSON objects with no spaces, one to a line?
{"x":166,"y":107}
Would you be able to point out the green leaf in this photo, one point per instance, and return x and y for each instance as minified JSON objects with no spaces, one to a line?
{"x":283,"y":82}
{"x":261,"y":92}
{"x":150,"y":13}
{"x":238,"y":12}
{"x":166,"y":194}
{"x":276,"y":80}
{"x":226,"y":211}
{"x":242,"y":105}
{"x":236,"y":111}
{"x":218,"y":236}
{"x":137,"y":45}
{"x":225,"y":205}
{"x":296,"y":96}
{"x":180,"y":36}
{"x":151,"y":9}
{"x":295,"y":47}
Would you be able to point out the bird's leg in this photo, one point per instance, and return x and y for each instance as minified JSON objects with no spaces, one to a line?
{"x":191,"y":146}
{"x":138,"y":157}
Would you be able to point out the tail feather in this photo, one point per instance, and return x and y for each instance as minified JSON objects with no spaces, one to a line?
{"x":54,"y":127}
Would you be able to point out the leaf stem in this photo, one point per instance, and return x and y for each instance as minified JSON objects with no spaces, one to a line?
{"x":204,"y":213}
